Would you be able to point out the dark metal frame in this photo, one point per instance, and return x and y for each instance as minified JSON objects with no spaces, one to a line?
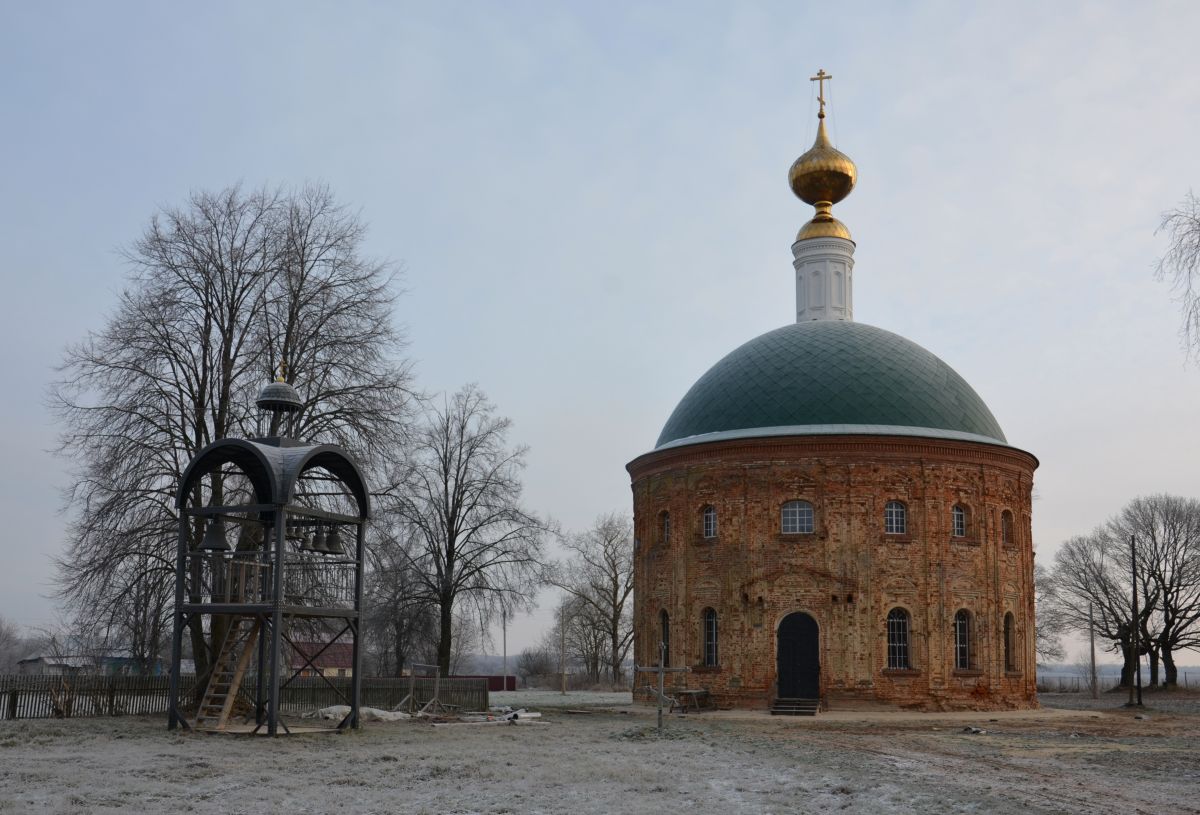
{"x":273,"y":467}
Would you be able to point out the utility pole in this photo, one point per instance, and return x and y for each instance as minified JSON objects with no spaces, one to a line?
{"x":1137,"y":646}
{"x":562,"y":645}
{"x":1092,"y":637}
{"x":504,"y":647}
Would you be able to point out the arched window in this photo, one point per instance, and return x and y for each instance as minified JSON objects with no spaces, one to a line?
{"x":709,"y":521}
{"x":897,"y":640}
{"x":710,"y":638}
{"x":962,"y":640}
{"x":895,"y":518}
{"x":1010,"y":656}
{"x":1006,"y":528}
{"x":664,"y":624}
{"x":666,"y":527}
{"x":796,"y":518}
{"x":958,"y":521}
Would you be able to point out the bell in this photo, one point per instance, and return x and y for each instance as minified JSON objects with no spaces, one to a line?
{"x":319,"y":545}
{"x":249,"y":538}
{"x":333,"y":544}
{"x":307,"y":544}
{"x":214,"y":537}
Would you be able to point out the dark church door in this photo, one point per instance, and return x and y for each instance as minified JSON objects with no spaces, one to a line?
{"x":799,"y":658}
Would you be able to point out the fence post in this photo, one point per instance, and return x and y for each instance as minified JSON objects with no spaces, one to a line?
{"x":12,"y":703}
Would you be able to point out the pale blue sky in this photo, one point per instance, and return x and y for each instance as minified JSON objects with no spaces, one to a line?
{"x":590,"y":205}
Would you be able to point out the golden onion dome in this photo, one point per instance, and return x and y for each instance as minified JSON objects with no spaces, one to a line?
{"x":824,"y":174}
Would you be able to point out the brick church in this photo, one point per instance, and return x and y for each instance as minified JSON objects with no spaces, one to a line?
{"x":832,"y":516}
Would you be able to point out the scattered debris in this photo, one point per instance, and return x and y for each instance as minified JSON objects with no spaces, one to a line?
{"x":366,"y":714}
{"x":1141,"y":716}
{"x":496,"y":715}
{"x":580,"y":712}
{"x":974,"y":731}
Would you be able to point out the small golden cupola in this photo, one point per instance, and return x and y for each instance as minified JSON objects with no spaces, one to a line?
{"x":822,"y":177}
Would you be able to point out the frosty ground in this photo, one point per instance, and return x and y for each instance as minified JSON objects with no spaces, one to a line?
{"x":612,"y":760}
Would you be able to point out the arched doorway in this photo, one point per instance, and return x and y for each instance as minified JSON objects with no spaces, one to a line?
{"x":798,"y":657}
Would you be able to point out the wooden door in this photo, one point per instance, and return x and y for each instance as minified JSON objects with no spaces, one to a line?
{"x":798,"y":658}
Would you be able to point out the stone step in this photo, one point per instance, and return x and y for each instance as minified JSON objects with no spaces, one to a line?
{"x":795,"y":707}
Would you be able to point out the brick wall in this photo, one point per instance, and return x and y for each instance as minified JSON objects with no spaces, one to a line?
{"x":847,"y":574}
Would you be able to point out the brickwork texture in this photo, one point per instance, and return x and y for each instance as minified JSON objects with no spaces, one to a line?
{"x":847,"y":574}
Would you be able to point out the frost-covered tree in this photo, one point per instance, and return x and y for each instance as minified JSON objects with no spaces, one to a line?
{"x":474,"y":548}
{"x":220,"y":291}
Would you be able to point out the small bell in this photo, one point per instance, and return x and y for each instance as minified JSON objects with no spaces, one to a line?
{"x":307,"y":544}
{"x":319,"y":545}
{"x":333,"y":544}
{"x":214,"y":537}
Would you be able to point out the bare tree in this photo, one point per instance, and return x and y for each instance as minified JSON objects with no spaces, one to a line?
{"x":220,"y":291}
{"x":1083,"y":670}
{"x":10,"y":645}
{"x":1050,"y":626}
{"x":534,"y":662}
{"x":587,"y":641}
{"x":1092,"y":575}
{"x":1181,"y":263}
{"x":598,"y":573}
{"x":400,"y":626}
{"x":576,"y":641}
{"x":475,"y":547}
{"x":1167,"y":531}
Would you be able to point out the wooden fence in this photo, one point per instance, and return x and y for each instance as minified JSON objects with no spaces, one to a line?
{"x":43,"y":697}
{"x":1061,"y":684}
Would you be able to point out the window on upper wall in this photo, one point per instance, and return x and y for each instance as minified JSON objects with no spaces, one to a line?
{"x":895,"y":518}
{"x":710,"y":638}
{"x":1010,"y":651}
{"x":665,"y":526}
{"x":897,"y":640}
{"x":664,"y":630}
{"x":958,"y":521}
{"x":708,"y":521}
{"x":796,"y":518}
{"x":962,"y":640}
{"x":1006,"y":528}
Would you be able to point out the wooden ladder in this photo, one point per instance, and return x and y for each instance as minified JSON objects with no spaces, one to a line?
{"x":230,"y":666}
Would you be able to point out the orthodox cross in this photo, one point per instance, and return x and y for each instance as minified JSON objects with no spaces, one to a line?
{"x":662,"y":671}
{"x":820,"y":80}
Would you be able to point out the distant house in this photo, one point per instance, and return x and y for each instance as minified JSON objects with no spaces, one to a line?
{"x":335,"y":660}
{"x":53,"y":665}
{"x":120,"y":663}
{"x":116,"y":663}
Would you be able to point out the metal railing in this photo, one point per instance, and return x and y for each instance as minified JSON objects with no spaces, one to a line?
{"x":249,"y":578}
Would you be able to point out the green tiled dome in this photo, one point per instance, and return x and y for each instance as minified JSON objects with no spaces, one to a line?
{"x":830,"y":377}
